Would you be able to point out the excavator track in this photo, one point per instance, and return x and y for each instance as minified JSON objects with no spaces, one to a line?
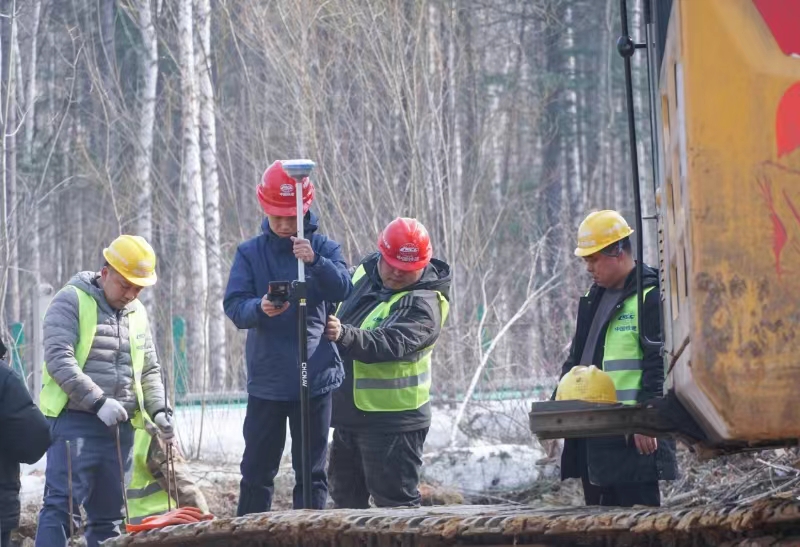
{"x":772,"y":522}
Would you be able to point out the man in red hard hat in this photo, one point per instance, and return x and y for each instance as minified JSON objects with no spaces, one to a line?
{"x":273,"y":379}
{"x":386,"y":330}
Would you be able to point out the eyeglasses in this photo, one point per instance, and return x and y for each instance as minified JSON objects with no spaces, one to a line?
{"x":613,"y":250}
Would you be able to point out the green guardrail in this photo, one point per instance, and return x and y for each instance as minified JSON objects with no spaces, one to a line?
{"x":17,"y":348}
{"x":180,"y":366}
{"x":237,"y":399}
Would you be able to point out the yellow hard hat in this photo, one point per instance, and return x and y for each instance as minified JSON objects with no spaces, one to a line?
{"x":589,"y":384}
{"x":133,"y":258}
{"x":599,"y":230}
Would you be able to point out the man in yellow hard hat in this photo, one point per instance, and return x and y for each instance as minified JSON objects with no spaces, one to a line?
{"x":618,"y":470}
{"x":101,"y":379}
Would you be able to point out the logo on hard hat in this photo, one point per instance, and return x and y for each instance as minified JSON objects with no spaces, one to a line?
{"x":287,"y":190}
{"x":408,"y":253}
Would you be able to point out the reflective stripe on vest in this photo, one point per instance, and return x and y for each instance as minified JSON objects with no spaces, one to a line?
{"x":53,"y":399}
{"x":393,"y":386}
{"x":146,"y":497}
{"x":622,"y":356}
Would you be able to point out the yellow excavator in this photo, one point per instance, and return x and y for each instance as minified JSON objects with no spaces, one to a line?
{"x":725,"y":127}
{"x":725,"y":103}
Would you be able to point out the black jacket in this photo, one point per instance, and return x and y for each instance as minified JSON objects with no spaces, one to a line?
{"x":614,"y":459}
{"x":413,"y":324}
{"x":24,"y":438}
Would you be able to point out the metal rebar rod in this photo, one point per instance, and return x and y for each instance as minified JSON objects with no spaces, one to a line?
{"x":69,"y":494}
{"x":122,"y":472}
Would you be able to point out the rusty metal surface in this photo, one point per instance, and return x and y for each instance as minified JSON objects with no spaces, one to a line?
{"x":729,"y":216}
{"x":770,"y":522}
{"x":578,"y":419}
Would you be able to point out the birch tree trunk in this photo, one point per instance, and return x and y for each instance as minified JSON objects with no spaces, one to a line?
{"x":73,"y":219}
{"x":553,"y":175}
{"x":48,"y":228}
{"x":467,"y":138}
{"x":572,"y":144}
{"x":148,"y":62}
{"x":469,"y":146}
{"x":106,"y":57}
{"x":31,"y":205}
{"x":193,"y":191}
{"x":9,"y":29}
{"x":208,"y":147}
{"x":574,"y":155}
{"x":11,"y":166}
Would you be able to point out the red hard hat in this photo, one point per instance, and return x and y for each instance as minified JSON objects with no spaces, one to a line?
{"x":276,"y":193}
{"x":405,"y":244}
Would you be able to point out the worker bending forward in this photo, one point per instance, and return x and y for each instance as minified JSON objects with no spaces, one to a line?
{"x":620,"y":470}
{"x":101,"y":379}
{"x":386,"y":331}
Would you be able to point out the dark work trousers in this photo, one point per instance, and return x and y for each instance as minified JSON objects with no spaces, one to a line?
{"x":96,"y":481}
{"x":383,"y":465}
{"x":622,"y":495}
{"x":5,"y":538}
{"x":264,"y":439}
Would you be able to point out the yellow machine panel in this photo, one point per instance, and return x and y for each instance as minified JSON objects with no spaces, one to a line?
{"x":730,"y":210}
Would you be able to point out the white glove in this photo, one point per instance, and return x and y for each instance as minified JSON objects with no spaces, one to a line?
{"x":112,"y":412}
{"x":165,"y":431}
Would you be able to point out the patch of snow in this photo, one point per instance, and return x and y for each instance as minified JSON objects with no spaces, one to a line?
{"x":217,"y":430}
{"x":477,"y":469}
{"x":213,"y":433}
{"x":32,"y":489}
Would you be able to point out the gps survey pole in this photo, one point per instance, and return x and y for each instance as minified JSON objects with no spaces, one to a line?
{"x":299,"y":170}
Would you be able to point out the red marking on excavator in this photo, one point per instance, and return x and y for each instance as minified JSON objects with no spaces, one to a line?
{"x":782,"y":17}
{"x":779,"y":167}
{"x":791,"y":206}
{"x":787,"y":119}
{"x":779,"y":237}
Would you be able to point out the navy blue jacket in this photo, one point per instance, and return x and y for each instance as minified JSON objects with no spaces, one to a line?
{"x":273,"y":371}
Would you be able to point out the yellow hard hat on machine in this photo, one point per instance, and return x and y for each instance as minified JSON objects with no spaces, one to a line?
{"x":588,"y":384}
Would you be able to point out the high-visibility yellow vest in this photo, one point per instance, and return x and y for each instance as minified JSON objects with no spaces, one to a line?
{"x":622,"y":357}
{"x":53,"y":399}
{"x":393,"y":386}
{"x":146,"y":497}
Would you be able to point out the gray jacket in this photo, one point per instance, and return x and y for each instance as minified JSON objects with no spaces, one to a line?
{"x":108,"y":371}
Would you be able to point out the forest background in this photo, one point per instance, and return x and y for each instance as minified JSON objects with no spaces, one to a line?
{"x":498,"y":123}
